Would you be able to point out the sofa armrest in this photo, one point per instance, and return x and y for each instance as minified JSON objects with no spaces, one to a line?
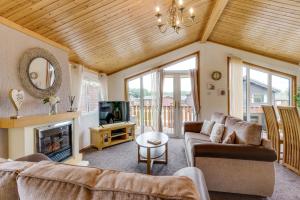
{"x":197,"y":177}
{"x":37,"y":157}
{"x":234,"y":151}
{"x":192,"y":127}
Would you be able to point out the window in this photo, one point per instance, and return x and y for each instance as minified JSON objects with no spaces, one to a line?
{"x":258,"y":98}
{"x":260,"y":87}
{"x":90,"y":95}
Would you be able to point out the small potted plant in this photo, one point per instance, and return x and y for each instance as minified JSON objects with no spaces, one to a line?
{"x":52,"y":100}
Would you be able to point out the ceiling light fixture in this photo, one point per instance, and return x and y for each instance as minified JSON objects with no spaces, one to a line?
{"x":175,"y":17}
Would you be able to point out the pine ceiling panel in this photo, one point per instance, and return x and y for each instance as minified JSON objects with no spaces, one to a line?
{"x":106,"y":35}
{"x":267,"y":27}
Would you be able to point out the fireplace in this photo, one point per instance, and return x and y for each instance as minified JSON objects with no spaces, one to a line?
{"x":55,"y":141}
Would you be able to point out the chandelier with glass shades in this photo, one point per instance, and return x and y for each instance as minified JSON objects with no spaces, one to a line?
{"x":175,"y":17}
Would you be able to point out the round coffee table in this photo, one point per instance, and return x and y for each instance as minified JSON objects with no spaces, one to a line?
{"x":150,"y":153}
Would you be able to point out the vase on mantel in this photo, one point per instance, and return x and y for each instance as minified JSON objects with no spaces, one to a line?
{"x":52,"y":102}
{"x":52,"y":109}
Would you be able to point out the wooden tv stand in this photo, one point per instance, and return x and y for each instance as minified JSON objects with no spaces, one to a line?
{"x":112,"y":134}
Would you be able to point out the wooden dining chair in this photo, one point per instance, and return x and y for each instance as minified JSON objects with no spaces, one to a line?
{"x":273,"y":129}
{"x":291,"y":129}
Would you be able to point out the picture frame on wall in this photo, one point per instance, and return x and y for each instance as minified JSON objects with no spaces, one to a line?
{"x":221,"y":92}
{"x":211,"y":86}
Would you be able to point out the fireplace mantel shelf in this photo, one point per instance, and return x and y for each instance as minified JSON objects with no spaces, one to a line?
{"x":36,"y":120}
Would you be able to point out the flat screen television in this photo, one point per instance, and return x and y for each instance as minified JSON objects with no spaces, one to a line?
{"x":113,"y":112}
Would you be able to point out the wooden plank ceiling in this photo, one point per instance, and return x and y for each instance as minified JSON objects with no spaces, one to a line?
{"x":112,"y":35}
{"x":106,"y":35}
{"x":267,"y":27}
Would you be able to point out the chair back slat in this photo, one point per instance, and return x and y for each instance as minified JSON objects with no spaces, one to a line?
{"x":272,"y":128}
{"x":291,"y":126}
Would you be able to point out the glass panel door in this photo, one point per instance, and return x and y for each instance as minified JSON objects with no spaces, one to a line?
{"x":259,"y":95}
{"x":177,"y":103}
{"x":281,"y":91}
{"x":168,"y":105}
{"x":147,"y":103}
{"x":134,"y":97}
{"x":140,"y":98}
{"x":186,"y":105}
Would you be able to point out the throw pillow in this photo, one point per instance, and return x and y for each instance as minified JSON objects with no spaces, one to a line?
{"x":230,"y":138}
{"x":207,"y":127}
{"x":217,"y":133}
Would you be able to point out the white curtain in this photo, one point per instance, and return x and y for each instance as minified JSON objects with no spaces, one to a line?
{"x":157,"y":96}
{"x":195,"y":93}
{"x":103,"y":87}
{"x":236,"y":87}
{"x":76,"y":77}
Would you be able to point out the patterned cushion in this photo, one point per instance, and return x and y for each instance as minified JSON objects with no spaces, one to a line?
{"x":217,"y":133}
{"x":207,"y":127}
{"x":230,"y":139}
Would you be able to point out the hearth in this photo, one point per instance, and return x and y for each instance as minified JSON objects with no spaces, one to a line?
{"x":55,"y":141}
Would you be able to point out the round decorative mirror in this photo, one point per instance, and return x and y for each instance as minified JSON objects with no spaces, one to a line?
{"x":40,"y":72}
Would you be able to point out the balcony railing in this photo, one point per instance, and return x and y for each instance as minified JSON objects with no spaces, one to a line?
{"x":167,"y":115}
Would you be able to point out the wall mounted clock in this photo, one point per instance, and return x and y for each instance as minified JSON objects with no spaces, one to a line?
{"x":216,"y":75}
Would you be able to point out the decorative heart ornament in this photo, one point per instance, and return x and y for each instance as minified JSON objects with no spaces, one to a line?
{"x":17,"y":98}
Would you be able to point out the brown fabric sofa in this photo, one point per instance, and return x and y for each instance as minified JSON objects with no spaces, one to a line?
{"x":246,"y":167}
{"x":55,"y":181}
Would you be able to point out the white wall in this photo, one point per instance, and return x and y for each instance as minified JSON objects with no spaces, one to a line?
{"x":212,"y":57}
{"x":12,"y":46}
{"x":87,"y":121}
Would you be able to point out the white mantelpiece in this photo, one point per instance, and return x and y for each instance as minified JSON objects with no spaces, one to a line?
{"x":21,"y":134}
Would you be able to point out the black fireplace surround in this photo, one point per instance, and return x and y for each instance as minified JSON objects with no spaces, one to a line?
{"x":55,"y":141}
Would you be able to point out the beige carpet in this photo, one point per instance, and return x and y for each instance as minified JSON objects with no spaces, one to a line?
{"x":124,"y":157}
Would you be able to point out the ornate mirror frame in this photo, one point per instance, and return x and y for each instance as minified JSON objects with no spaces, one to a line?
{"x":24,"y":75}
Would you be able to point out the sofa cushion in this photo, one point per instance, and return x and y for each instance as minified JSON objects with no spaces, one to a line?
{"x":37,"y":157}
{"x":246,"y":132}
{"x":229,"y":125}
{"x":230,"y":139}
{"x":49,"y":180}
{"x":8,"y":178}
{"x":217,"y":133}
{"x":192,"y":139}
{"x":197,"y":136}
{"x":192,"y":127}
{"x":218,"y":118}
{"x":266,"y":143}
{"x":207,"y":127}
